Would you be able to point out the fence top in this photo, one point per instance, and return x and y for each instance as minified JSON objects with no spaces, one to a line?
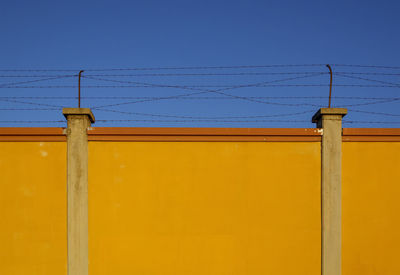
{"x":32,"y":134}
{"x":204,"y":134}
{"x":371,"y":134}
{"x":199,"y":134}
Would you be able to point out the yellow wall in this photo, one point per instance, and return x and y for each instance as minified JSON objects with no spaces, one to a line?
{"x":199,"y":208}
{"x":204,"y":208}
{"x":33,"y":235}
{"x":371,"y":208}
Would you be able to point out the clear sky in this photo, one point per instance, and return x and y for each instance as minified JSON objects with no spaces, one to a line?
{"x":90,"y":35}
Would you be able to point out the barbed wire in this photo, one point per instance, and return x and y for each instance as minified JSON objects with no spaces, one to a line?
{"x":368,"y":73}
{"x":371,"y":80}
{"x":369,"y":122}
{"x":199,"y":91}
{"x":201,"y":97}
{"x":31,"y":103}
{"x":374,"y":113}
{"x":31,"y":81}
{"x":29,"y":76}
{"x":190,"y":86}
{"x":40,"y":70}
{"x":206,"y":117}
{"x":32,"y":121}
{"x":204,"y":91}
{"x":15,"y":85}
{"x":57,"y":107}
{"x":46,"y":97}
{"x":196,"y":120}
{"x":196,"y":86}
{"x":366,"y":66}
{"x":202,"y":74}
{"x":243,"y":121}
{"x":241,"y":74}
{"x":370,"y":103}
{"x":29,"y":109}
{"x":385,"y":100}
{"x":205,"y":74}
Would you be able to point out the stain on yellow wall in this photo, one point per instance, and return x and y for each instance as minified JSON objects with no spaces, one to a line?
{"x":210,"y":208}
{"x":33,"y":229}
{"x":371,"y":208}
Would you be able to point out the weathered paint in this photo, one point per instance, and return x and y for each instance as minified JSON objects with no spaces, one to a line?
{"x":33,"y":208}
{"x":204,"y":208}
{"x":371,"y":207}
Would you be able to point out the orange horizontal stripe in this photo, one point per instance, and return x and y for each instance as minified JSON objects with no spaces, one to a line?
{"x":371,"y":134}
{"x":220,"y":138}
{"x":37,"y":131}
{"x":32,"y":138}
{"x":371,"y":138}
{"x":198,"y":134}
{"x":203,"y":134}
{"x":205,"y":131}
{"x":32,"y":134}
{"x":371,"y":131}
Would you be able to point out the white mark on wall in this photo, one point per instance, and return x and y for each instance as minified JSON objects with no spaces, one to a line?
{"x":43,"y":153}
{"x":18,"y":235}
{"x":26,"y":191}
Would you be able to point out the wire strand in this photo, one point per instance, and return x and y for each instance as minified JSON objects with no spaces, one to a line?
{"x":375,"y":113}
{"x":370,"y":80}
{"x":28,"y":109}
{"x":31,"y":103}
{"x":194,"y":120}
{"x":31,"y":81}
{"x":203,"y":91}
{"x":200,"y":97}
{"x":370,"y":122}
{"x":32,"y":121}
{"x":206,"y":117}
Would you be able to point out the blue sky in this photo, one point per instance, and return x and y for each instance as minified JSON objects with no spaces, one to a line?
{"x":90,"y":35}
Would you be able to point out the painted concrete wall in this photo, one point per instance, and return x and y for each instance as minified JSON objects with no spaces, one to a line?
{"x":204,"y":208}
{"x":199,"y":208}
{"x":33,"y":220}
{"x":371,"y":208}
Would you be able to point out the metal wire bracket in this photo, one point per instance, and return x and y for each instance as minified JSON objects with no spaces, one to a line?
{"x":79,"y":88}
{"x":330,"y":85}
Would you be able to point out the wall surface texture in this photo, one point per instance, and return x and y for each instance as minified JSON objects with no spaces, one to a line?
{"x":204,"y":208}
{"x":33,"y":208}
{"x":371,"y":207}
{"x":217,"y":202}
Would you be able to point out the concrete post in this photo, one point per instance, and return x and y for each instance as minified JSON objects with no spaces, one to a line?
{"x":330,"y":120}
{"x":79,"y":119}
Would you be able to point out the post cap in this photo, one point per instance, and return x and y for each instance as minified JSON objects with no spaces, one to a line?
{"x":79,"y":111}
{"x":328,"y":111}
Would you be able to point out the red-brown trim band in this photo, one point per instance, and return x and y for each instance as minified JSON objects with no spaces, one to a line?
{"x":200,"y":134}
{"x":32,"y":134}
{"x":204,"y":134}
{"x":371,"y":134}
